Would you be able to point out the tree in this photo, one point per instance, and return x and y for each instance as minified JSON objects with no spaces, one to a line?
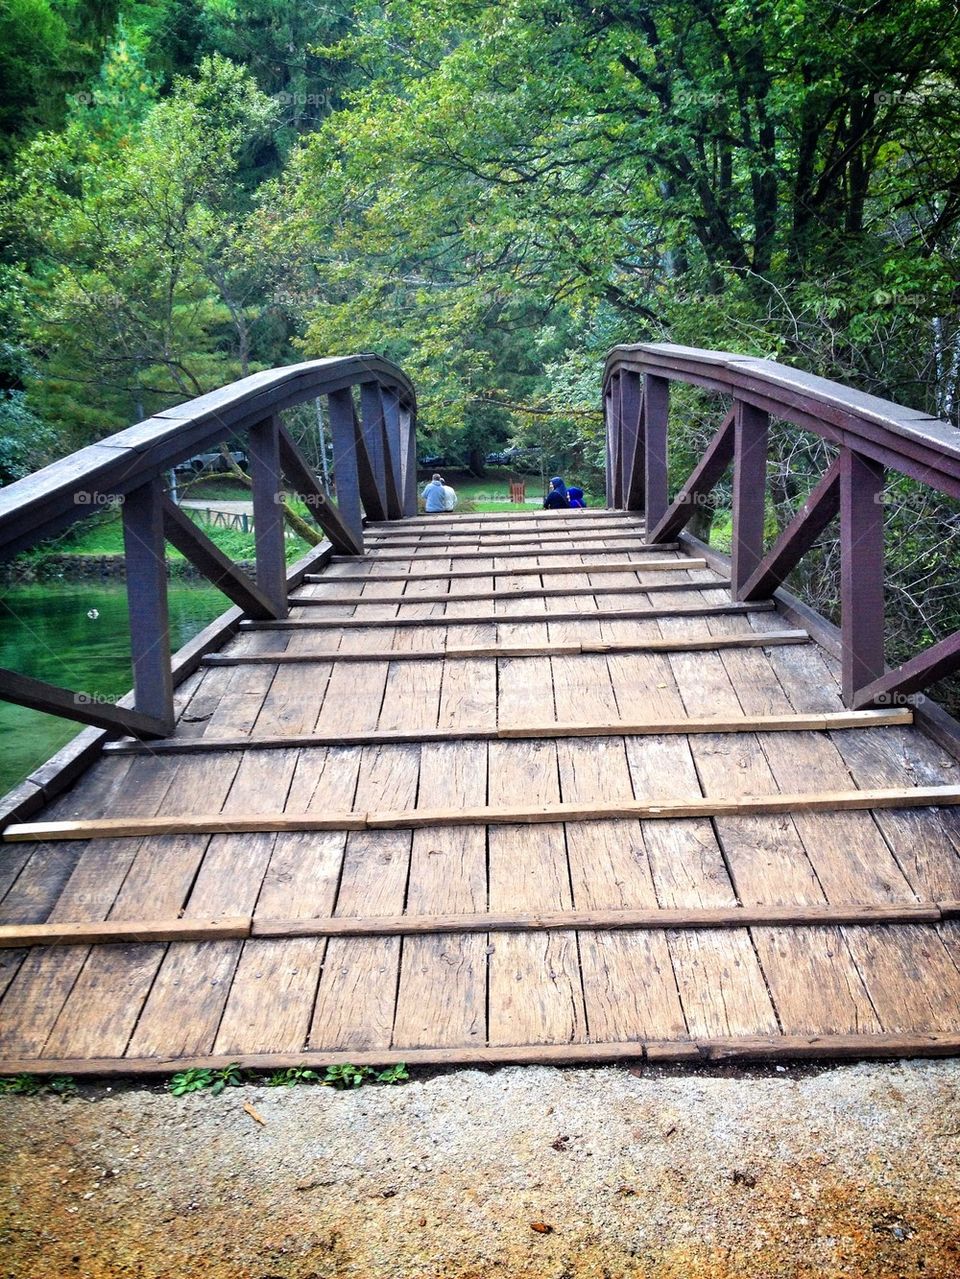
{"x":133,"y":227}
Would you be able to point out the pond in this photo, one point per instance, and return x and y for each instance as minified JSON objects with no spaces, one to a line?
{"x":76,"y":634}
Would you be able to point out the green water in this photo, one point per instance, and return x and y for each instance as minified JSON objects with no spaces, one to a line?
{"x":76,"y":634}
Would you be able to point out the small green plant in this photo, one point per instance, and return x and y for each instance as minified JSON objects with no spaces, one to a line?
{"x":30,"y":1086}
{"x":192,"y":1080}
{"x":21,"y":1085}
{"x":397,"y":1074}
{"x":293,"y":1075}
{"x":346,"y":1076}
{"x":229,"y":1077}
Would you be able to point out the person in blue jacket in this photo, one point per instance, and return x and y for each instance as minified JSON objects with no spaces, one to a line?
{"x":576,"y":497}
{"x":556,"y":499}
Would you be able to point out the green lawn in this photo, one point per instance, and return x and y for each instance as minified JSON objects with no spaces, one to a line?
{"x":104,"y":536}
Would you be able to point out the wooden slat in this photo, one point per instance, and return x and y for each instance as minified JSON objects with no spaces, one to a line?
{"x":592,"y":920}
{"x":442,"y":993}
{"x":466,"y":729}
{"x":745,"y":639}
{"x":499,"y":554}
{"x":453,"y":575}
{"x":535,"y":985}
{"x":579,"y":615}
{"x":113,"y":930}
{"x":534,"y":540}
{"x":313,"y":601}
{"x":667,"y":810}
{"x":745,"y":1048}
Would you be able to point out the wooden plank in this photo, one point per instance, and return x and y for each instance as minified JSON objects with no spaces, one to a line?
{"x":852,"y":860}
{"x":912,"y":981}
{"x":186,"y":1001}
{"x":540,"y":552}
{"x":536,"y":993}
{"x":36,"y":995}
{"x":814,"y":983}
{"x":292,"y":704}
{"x":629,"y":987}
{"x":457,"y":575}
{"x":111,"y":930}
{"x":533,"y":540}
{"x":666,"y":810}
{"x":272,"y":993}
{"x":746,"y":640}
{"x":717,"y":1049}
{"x":533,"y":593}
{"x":356,"y":998}
{"x":610,"y":850}
{"x":620,"y":614}
{"x":721,"y":986}
{"x":441,"y":1000}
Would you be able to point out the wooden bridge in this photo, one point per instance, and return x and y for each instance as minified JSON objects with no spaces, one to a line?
{"x":493,"y":788}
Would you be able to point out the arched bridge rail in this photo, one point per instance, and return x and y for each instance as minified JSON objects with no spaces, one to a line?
{"x":873,"y":436}
{"x":374,"y":467}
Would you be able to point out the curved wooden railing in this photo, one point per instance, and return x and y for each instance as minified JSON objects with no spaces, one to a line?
{"x":872,"y":434}
{"x":374,"y":458}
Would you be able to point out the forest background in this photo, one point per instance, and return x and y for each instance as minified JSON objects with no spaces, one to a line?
{"x":492,"y":195}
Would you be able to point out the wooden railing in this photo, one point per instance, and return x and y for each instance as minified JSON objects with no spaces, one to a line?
{"x":873,"y":435}
{"x":375,"y":475}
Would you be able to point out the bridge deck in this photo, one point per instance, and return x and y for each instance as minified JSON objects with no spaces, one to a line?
{"x":559,"y":976}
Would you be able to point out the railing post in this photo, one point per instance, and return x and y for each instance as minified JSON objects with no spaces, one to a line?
{"x":146,"y":569}
{"x":371,"y":427}
{"x":631,"y":435}
{"x":656,"y":407}
{"x":345,"y":472}
{"x":616,"y":447}
{"x":267,"y":477}
{"x":749,"y":492}
{"x":408,"y":428}
{"x":390,"y":417}
{"x":861,"y":571}
{"x":612,"y":425}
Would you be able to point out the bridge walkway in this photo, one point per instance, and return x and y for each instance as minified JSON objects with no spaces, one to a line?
{"x":503,"y":789}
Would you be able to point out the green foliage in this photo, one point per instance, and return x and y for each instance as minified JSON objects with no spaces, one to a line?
{"x":292,"y":1076}
{"x":342,"y":1077}
{"x":202,"y":1079}
{"x":62,"y":1086}
{"x":196,"y":1079}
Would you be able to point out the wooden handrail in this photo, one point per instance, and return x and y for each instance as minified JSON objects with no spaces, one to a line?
{"x":374,"y":466}
{"x":872,"y":435}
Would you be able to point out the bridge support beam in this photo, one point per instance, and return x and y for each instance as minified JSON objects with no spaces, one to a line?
{"x":267,"y":477}
{"x":656,"y":407}
{"x":749,"y":492}
{"x":144,"y":548}
{"x":861,"y":571}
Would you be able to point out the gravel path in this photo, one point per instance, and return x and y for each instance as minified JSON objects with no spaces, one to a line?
{"x":552,"y":1174}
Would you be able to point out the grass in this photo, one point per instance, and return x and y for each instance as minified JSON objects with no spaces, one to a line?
{"x":103,"y":536}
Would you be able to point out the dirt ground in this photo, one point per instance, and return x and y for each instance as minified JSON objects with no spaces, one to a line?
{"x":770,"y":1173}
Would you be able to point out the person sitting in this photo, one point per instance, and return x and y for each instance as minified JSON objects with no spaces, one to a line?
{"x":450,"y":498}
{"x":576,"y":497}
{"x":556,"y":499}
{"x":434,"y":498}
